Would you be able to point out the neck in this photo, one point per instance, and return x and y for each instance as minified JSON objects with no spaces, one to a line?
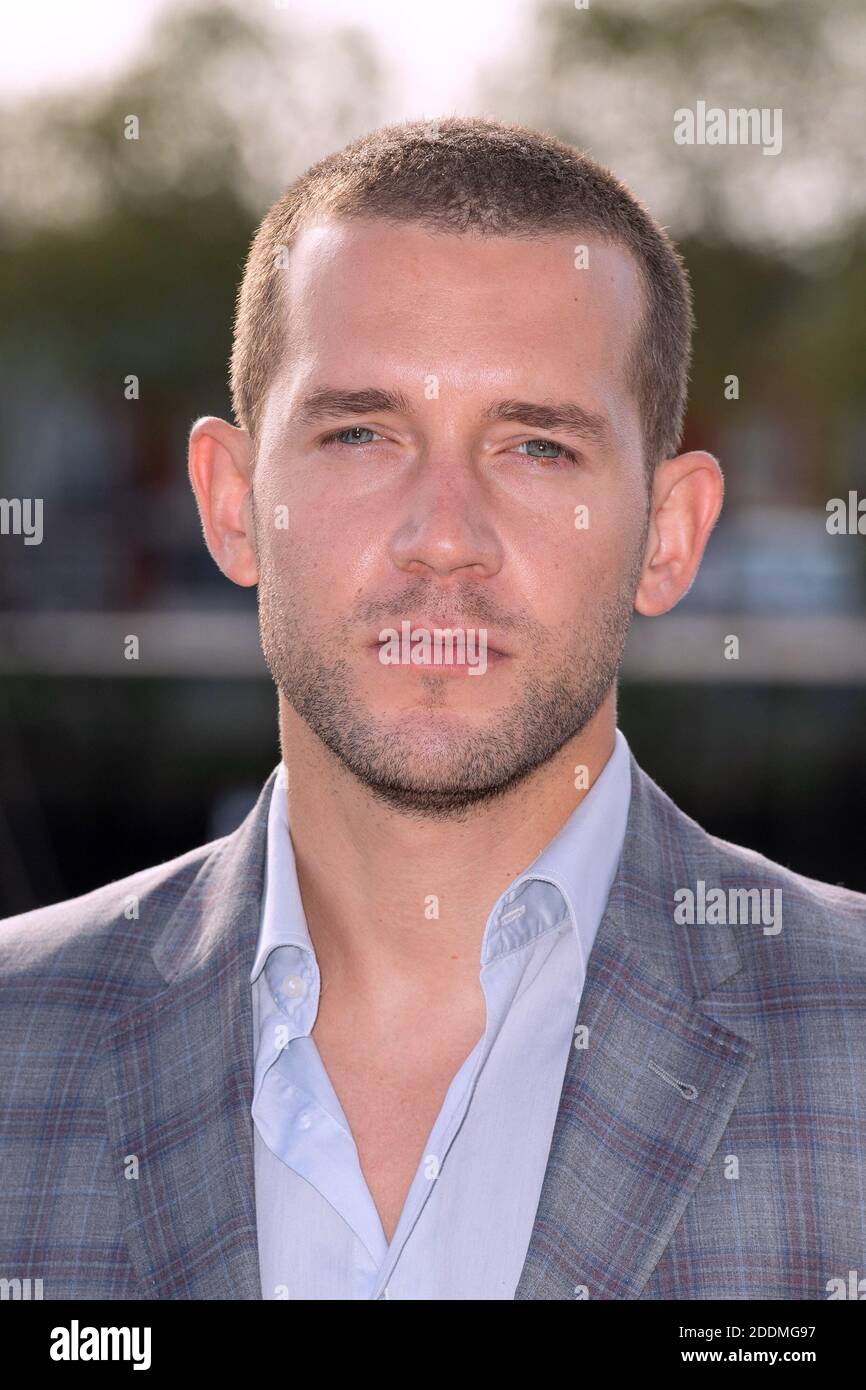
{"x":373,"y":879}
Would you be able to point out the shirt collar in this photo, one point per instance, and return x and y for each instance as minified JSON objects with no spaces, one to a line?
{"x":283,"y":921}
{"x":580,"y":862}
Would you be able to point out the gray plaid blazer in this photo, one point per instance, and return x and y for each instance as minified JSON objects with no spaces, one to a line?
{"x":710,"y":1140}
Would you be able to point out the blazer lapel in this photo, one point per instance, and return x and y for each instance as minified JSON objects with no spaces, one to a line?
{"x":178,"y":1086}
{"x":645,"y":1102}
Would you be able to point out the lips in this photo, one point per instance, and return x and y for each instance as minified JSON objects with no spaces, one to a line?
{"x":495,"y":644}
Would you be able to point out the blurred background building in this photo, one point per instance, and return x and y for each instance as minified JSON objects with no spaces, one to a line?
{"x":120,"y":258}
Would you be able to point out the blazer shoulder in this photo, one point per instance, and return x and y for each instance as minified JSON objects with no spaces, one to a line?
{"x":823,"y":925}
{"x":810,"y":912}
{"x":75,"y":932}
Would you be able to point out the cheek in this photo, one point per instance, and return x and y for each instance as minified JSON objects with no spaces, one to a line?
{"x":612,"y":536}
{"x":583,"y":563}
{"x":312,"y":563}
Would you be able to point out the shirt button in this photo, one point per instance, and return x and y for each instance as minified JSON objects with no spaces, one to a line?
{"x":294,"y":986}
{"x":304,"y":1121}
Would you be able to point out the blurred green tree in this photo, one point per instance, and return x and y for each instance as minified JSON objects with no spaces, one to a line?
{"x":127,"y":252}
{"x":610,"y":78}
{"x":774,"y":243}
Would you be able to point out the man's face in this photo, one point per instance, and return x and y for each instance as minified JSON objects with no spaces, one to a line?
{"x":431,"y":508}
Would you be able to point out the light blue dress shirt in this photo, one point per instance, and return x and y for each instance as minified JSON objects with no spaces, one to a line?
{"x":468,"y":1216}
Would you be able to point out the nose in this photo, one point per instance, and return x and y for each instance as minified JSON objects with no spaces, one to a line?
{"x":447,"y":527}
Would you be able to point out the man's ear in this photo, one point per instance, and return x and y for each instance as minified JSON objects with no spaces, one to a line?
{"x":220,"y":470}
{"x":687,"y":497}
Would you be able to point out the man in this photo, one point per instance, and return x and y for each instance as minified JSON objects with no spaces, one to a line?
{"x":466,"y":1008}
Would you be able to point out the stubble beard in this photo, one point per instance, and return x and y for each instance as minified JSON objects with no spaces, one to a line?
{"x":440,"y":769}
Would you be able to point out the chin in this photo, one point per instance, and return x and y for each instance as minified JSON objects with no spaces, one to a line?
{"x":437,"y":725}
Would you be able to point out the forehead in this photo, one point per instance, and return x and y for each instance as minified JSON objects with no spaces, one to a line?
{"x":366,"y":296}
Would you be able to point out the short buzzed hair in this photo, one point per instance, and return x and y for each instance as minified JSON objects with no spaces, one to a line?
{"x":484,"y":177}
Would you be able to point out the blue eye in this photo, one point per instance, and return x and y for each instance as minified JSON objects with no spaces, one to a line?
{"x":338,"y":436}
{"x":549,"y":444}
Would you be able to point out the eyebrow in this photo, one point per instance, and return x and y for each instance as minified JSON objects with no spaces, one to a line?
{"x":566,"y":416}
{"x":330,"y":401}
